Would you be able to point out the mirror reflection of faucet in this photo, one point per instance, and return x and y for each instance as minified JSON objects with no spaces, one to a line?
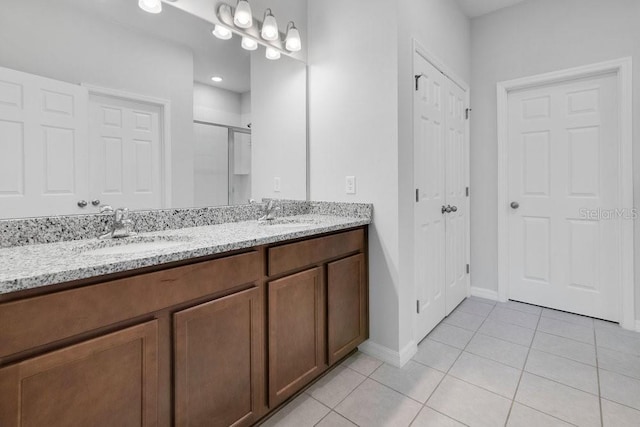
{"x":121,"y":226}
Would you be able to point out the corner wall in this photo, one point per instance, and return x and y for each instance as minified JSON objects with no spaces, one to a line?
{"x":532,"y":38}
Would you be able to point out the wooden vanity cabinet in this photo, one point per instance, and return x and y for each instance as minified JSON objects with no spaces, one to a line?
{"x":214,"y":342}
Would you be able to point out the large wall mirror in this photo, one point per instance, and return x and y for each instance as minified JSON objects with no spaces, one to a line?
{"x":104,"y":103}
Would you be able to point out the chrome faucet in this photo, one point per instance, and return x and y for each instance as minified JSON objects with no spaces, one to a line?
{"x":121,"y":226}
{"x":269,"y":211}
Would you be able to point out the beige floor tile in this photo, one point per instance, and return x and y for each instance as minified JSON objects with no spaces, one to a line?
{"x":499,"y":350}
{"x":616,"y":415}
{"x":619,"y":340}
{"x":362,"y":363}
{"x":486,"y":373}
{"x":568,"y":317}
{"x":373,"y":404}
{"x":504,"y":331}
{"x":564,"y":402}
{"x":620,"y":389}
{"x":520,"y":306}
{"x":335,"y":420}
{"x":479,"y":308}
{"x":430,"y":418}
{"x":436,"y":355}
{"x":469,"y":404}
{"x":616,"y":361}
{"x":566,"y":371}
{"x":451,"y":335}
{"x":523,"y":416}
{"x":566,"y":329}
{"x":464,"y":320}
{"x":515,"y":317}
{"x":413,"y":379}
{"x":565,"y":347}
{"x":335,"y":386}
{"x":303,"y":411}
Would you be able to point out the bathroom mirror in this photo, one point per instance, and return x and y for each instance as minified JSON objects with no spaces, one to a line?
{"x":102,"y":103}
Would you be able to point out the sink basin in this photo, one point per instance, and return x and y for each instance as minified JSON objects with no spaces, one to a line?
{"x":132,"y":245}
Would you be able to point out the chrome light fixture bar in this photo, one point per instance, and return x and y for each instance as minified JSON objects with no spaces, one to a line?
{"x":264,"y":33}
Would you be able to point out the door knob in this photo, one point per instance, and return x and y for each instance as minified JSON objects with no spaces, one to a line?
{"x":515,"y":205}
{"x":454,"y":209}
{"x":446,"y":209}
{"x":82,"y":203}
{"x":95,"y":202}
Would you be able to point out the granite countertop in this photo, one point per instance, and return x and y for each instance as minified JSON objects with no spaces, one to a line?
{"x":34,"y":266}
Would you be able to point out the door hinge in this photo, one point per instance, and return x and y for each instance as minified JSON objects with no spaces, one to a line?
{"x":468,"y":268}
{"x":467,"y":191}
{"x":467,"y":113}
{"x":417,"y":195}
{"x":418,"y":306}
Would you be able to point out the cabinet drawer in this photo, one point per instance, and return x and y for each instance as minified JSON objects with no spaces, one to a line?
{"x":42,"y":320}
{"x":308,"y":252}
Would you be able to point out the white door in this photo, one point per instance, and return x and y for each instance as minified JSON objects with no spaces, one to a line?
{"x":125,"y":153}
{"x":440,"y":215}
{"x":43,"y":150}
{"x":563,"y":159}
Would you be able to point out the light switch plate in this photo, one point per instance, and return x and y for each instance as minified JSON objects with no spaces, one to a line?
{"x":350,"y":185}
{"x":276,"y":184}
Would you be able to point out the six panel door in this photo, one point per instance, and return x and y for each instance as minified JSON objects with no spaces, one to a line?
{"x":104,"y":382}
{"x":219,"y":367}
{"x":564,"y":229}
{"x":296,"y":333}
{"x":347,"y":306}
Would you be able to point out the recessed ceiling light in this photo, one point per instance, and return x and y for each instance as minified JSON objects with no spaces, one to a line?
{"x":216,"y":79}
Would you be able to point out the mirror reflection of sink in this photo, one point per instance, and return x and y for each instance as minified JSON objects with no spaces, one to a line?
{"x":132,"y":245}
{"x":288,"y":223}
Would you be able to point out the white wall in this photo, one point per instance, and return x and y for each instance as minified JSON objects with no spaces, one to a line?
{"x":50,"y":39}
{"x":353,"y":110}
{"x":216,"y":105}
{"x":441,"y":28}
{"x":532,"y":38}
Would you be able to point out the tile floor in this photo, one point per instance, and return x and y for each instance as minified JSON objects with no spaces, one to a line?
{"x":487,"y":364}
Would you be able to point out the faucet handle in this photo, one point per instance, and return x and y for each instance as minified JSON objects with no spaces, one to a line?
{"x":106,"y":209}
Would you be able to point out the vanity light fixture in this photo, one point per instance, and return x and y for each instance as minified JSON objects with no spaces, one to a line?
{"x":269,"y":27}
{"x":216,"y":79}
{"x":243,"y":17}
{"x":222,"y":33}
{"x":151,"y":6}
{"x":249,"y":43}
{"x":292,"y":41}
{"x":272,"y":54}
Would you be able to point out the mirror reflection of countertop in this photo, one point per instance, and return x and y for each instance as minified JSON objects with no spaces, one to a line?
{"x":34,"y":266}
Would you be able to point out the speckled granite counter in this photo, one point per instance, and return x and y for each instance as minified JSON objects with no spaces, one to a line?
{"x":37,"y":265}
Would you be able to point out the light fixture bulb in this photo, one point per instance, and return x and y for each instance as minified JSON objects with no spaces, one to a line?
{"x":222,"y":33}
{"x":216,"y":79}
{"x":269,"y":26}
{"x":243,"y":17}
{"x":272,"y":54}
{"x":249,"y":44}
{"x":292,"y":41}
{"x":151,"y":6}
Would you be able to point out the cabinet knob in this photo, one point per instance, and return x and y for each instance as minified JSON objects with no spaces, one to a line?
{"x":515,"y":205}
{"x":95,"y":202}
{"x":82,"y":203}
{"x":454,"y":209}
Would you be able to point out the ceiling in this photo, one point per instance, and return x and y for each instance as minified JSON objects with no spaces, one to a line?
{"x":475,"y":8}
{"x":211,"y":57}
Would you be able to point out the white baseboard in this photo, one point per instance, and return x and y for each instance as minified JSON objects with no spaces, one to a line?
{"x":387,"y":355}
{"x":484,"y":293}
{"x":637,"y":325}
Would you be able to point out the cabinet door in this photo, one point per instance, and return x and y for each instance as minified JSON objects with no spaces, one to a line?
{"x":219,"y":363}
{"x":107,"y":381}
{"x":296,"y":333}
{"x":347,"y":306}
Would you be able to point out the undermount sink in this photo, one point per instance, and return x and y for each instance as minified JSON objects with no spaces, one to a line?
{"x":132,"y":245}
{"x":288,"y":223}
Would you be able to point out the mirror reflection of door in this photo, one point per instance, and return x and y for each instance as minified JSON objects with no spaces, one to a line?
{"x":222,"y":165}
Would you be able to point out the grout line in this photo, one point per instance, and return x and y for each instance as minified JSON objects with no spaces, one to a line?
{"x":515,"y":393}
{"x":595,"y":343}
{"x":544,"y":413}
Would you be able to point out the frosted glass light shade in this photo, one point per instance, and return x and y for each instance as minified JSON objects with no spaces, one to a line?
{"x":293,"y":42}
{"x":222,"y":33}
{"x":249,"y":44}
{"x":243,"y":17}
{"x":151,"y":6}
{"x":269,"y":27}
{"x":272,"y":54}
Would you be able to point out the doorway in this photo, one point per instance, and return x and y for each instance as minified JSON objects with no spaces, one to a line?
{"x":565,"y":205}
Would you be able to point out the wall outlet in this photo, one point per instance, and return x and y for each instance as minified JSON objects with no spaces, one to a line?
{"x":276,"y":184}
{"x":350,"y":185}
